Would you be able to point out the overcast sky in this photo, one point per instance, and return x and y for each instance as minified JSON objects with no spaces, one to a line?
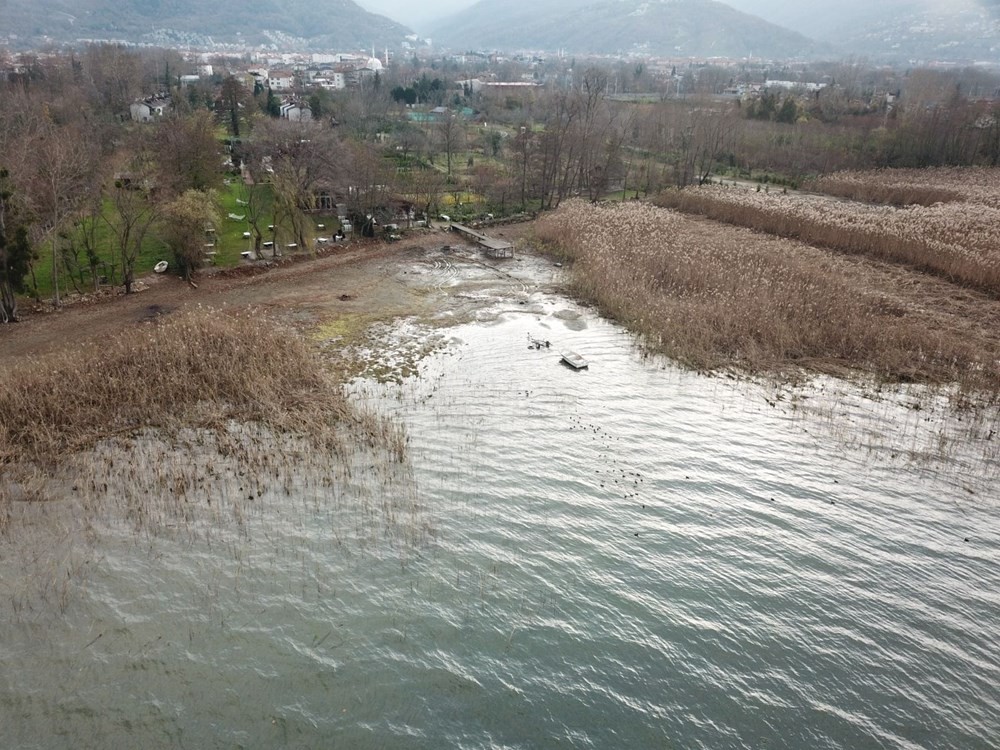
{"x":416,"y":15}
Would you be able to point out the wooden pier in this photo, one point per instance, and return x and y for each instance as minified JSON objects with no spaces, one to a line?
{"x":494,"y":248}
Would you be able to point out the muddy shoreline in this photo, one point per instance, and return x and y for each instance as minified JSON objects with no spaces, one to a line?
{"x":343,"y":290}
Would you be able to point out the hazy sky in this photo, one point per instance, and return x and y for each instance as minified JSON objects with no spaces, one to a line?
{"x":416,"y":15}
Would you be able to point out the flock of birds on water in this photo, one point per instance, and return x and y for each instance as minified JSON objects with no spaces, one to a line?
{"x":628,"y":482}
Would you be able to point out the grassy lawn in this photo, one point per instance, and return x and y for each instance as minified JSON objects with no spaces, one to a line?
{"x":109,"y":268}
{"x":228,"y":240}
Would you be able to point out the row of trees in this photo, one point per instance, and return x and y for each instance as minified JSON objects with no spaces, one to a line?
{"x":87,"y":190}
{"x":75,"y":172}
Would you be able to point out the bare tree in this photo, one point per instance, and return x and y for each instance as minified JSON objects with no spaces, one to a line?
{"x":450,"y":132}
{"x":303,"y":159}
{"x":114,"y":74}
{"x":409,"y":139}
{"x":372,"y":185}
{"x":89,"y":233}
{"x":699,"y":135}
{"x":495,"y":185}
{"x":134,"y":209}
{"x":188,"y":154}
{"x":64,"y":162}
{"x":556,"y":146}
{"x":523,"y":149}
{"x":255,"y":201}
{"x":427,"y":186}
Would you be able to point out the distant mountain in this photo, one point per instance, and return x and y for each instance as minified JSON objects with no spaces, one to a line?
{"x":960,"y":31}
{"x":893,"y":30}
{"x":660,"y":27}
{"x":289,"y":24}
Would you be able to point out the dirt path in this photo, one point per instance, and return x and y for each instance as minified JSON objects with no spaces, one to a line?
{"x":363,"y":280}
{"x":347,"y":272}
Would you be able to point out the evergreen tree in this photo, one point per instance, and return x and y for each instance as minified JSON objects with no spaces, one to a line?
{"x":273,"y":106}
{"x":788,"y":111}
{"x":316,"y":105}
{"x":15,"y":252}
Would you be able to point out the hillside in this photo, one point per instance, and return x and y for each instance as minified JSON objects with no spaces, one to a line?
{"x":661,"y":27}
{"x":329,"y":24}
{"x":893,"y":30}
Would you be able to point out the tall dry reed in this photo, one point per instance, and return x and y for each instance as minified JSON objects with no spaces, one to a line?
{"x":198,"y":369}
{"x":713,"y":297}
{"x":228,"y":376}
{"x":904,"y":187}
{"x":957,"y":241}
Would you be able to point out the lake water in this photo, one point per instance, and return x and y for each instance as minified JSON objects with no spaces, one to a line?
{"x":628,"y":556}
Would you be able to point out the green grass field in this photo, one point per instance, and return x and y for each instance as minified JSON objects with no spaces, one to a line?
{"x":227,"y":242}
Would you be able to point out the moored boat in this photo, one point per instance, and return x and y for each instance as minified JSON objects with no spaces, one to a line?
{"x":574,"y":360}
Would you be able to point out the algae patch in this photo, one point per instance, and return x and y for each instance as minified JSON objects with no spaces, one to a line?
{"x":386,"y":352}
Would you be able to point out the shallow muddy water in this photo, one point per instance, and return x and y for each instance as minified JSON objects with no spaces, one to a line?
{"x":626,"y":556}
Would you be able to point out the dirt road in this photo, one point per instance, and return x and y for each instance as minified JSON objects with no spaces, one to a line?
{"x":364,"y":280}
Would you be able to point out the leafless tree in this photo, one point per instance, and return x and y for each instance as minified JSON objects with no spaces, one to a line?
{"x":255,"y":201}
{"x":188,"y":154}
{"x":115,"y":75}
{"x":523,"y":150}
{"x":372,"y":184}
{"x":450,"y":132}
{"x":427,"y":186}
{"x":409,"y":139}
{"x":134,"y":208}
{"x":301,"y":159}
{"x":64,"y":162}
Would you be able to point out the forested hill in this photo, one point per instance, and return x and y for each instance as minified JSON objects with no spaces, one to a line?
{"x":329,"y":24}
{"x":659,"y":27}
{"x":893,"y":30}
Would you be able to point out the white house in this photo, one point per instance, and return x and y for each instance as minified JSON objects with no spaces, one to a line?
{"x":150,"y":109}
{"x":296,"y":112}
{"x":331,"y":81}
{"x":475,"y":85}
{"x":280,"y":80}
{"x":790,"y":85}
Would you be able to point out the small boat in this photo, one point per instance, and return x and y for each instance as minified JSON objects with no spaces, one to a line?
{"x":574,"y":360}
{"x":160,"y":267}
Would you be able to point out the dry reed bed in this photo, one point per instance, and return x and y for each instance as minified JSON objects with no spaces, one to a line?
{"x":958,"y":241}
{"x":714,"y":297}
{"x":248,"y":393}
{"x":902,"y":187}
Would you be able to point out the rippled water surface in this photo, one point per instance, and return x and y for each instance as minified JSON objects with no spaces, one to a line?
{"x":627,"y":556}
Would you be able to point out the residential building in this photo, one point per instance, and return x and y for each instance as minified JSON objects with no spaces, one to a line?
{"x":148,"y":110}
